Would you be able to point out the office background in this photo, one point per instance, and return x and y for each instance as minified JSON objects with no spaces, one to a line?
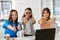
{"x":36,"y":5}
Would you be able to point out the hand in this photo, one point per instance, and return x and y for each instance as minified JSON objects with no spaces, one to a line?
{"x":19,"y":28}
{"x":33,"y":21}
{"x":13,"y":28}
{"x":25,"y":20}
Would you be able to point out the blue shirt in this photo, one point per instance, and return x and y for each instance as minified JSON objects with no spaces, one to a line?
{"x":9,"y":31}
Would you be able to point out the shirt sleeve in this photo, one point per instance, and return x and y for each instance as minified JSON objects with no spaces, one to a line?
{"x":20,"y":24}
{"x":5,"y":25}
{"x":22,"y":20}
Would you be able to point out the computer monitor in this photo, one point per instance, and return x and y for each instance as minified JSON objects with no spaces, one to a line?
{"x":45,"y":34}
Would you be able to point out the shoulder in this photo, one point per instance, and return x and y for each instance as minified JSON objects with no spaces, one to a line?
{"x":7,"y":21}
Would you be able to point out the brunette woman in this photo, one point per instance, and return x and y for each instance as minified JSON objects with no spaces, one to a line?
{"x":46,"y":21}
{"x":28,"y":22}
{"x":11,"y":25}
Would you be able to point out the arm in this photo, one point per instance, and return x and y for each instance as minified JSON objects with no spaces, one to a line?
{"x":23,"y":21}
{"x":11,"y":28}
{"x":19,"y":26}
{"x":7,"y":25}
{"x":48,"y":24}
{"x":33,"y":20}
{"x":42,"y":23}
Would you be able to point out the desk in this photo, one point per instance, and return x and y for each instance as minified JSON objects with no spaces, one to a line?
{"x":24,"y":38}
{"x":27,"y":38}
{"x":57,"y":37}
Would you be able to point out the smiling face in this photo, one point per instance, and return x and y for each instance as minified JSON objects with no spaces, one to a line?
{"x":14,"y":16}
{"x":45,"y":14}
{"x":28,"y":13}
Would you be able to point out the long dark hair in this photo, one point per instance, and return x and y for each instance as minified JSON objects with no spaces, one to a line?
{"x":48,"y":10}
{"x":28,"y":8}
{"x":10,"y":16}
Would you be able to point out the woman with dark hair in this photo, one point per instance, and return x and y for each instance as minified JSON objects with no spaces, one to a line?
{"x":28,"y":21}
{"x":46,"y":22}
{"x":11,"y":25}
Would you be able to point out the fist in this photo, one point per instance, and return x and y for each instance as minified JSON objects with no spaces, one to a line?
{"x":19,"y":28}
{"x":14,"y":29}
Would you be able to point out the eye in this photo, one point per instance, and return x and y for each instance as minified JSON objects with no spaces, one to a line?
{"x":28,"y":13}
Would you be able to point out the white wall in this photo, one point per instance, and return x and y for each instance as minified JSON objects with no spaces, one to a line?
{"x":36,"y":6}
{"x":20,"y":5}
{"x":49,"y":4}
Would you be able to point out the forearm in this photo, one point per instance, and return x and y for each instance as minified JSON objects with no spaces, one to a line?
{"x":10,"y":27}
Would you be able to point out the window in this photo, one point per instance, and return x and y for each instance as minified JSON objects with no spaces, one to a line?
{"x":56,"y":11}
{"x":54,"y":6}
{"x":49,"y":4}
{"x":5,"y":7}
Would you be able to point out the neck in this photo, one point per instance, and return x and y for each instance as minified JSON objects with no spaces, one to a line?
{"x":46,"y":19}
{"x":13,"y":21}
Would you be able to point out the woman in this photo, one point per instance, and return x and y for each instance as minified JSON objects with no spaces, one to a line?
{"x":11,"y":25}
{"x":46,"y":22}
{"x":28,"y":21}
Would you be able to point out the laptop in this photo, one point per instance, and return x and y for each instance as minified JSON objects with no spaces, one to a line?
{"x":45,"y":34}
